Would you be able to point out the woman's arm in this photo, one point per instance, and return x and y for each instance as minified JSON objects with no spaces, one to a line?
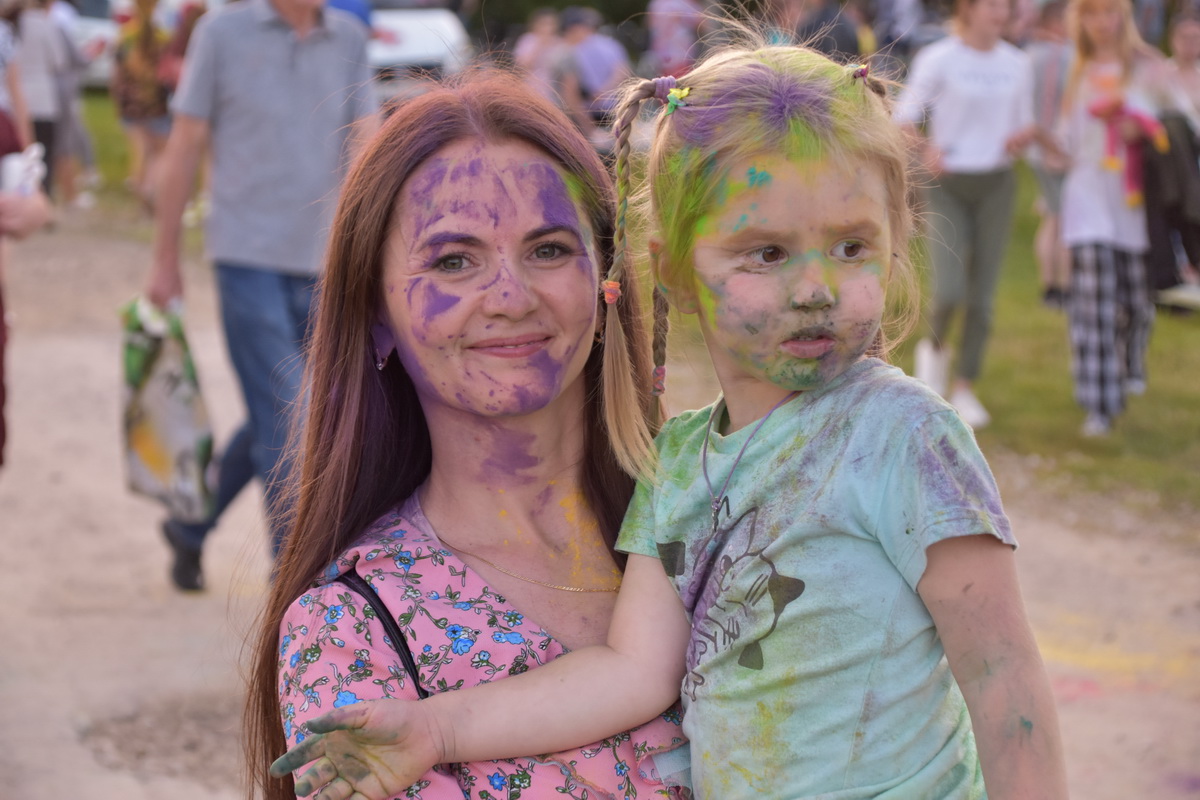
{"x":581,"y":697}
{"x":970,"y":588}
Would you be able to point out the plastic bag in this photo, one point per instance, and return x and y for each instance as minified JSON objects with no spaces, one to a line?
{"x":168,"y":439}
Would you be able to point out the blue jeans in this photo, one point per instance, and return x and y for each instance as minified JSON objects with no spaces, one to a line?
{"x":266,"y":319}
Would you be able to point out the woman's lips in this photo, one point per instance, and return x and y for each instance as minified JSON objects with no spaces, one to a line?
{"x":511,"y":347}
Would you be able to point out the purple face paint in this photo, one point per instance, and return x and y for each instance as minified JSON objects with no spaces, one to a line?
{"x":508,"y":456}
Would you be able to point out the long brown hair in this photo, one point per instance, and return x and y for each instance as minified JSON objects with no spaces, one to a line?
{"x":364,"y":446}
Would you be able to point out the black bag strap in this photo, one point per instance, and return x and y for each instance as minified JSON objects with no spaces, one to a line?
{"x":399,"y":642}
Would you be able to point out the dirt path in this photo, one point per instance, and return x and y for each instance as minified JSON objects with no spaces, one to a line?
{"x":115,"y":686}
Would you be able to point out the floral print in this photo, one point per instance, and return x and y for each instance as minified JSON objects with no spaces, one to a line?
{"x":334,"y":652}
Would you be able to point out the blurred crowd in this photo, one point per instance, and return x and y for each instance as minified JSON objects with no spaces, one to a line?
{"x":1100,"y":97}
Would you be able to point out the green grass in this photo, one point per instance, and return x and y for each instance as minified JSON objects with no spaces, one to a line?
{"x":1152,"y":458}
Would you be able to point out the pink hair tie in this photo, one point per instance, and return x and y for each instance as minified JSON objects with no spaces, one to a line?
{"x":660,"y":381}
{"x":860,"y":70}
{"x":662,"y":86}
{"x":612,"y":291}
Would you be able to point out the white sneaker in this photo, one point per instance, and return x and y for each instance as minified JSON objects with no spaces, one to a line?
{"x":1096,"y":425}
{"x":969,"y":408}
{"x":931,"y":366}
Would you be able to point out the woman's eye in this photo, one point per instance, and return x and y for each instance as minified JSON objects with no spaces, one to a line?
{"x":451,"y":263}
{"x":770,"y":254}
{"x":849,"y":250}
{"x":548,"y":251}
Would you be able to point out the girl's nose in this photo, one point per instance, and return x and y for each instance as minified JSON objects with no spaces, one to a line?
{"x":811,"y":290}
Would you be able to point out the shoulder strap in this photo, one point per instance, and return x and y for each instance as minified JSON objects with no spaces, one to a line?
{"x":399,"y":642}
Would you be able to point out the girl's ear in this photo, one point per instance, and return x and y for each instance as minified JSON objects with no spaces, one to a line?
{"x":681,"y":298}
{"x":383,"y":338}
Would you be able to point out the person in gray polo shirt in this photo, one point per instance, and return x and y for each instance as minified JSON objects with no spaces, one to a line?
{"x":278,"y":91}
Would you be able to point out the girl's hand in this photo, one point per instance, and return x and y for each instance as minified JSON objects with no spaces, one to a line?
{"x":367,"y":751}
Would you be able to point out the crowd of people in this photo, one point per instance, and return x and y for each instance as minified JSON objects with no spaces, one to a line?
{"x":452,"y":385}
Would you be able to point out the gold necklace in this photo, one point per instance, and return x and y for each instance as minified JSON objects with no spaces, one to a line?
{"x":496,"y":566}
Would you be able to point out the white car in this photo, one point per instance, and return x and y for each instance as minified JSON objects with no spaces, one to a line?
{"x":410,"y":39}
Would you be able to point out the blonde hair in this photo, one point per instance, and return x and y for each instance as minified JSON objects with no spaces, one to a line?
{"x":1130,"y":45}
{"x":747,"y":101}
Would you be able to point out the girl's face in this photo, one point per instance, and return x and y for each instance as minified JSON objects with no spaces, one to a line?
{"x":1101,"y":23}
{"x":490,"y":281}
{"x":1185,"y":42}
{"x":790,"y":269}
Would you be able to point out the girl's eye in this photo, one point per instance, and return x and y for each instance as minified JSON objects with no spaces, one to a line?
{"x":771,"y":254}
{"x":451,"y":263}
{"x":849,"y":250}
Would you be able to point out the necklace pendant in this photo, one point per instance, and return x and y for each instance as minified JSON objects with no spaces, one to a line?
{"x":717,"y":503}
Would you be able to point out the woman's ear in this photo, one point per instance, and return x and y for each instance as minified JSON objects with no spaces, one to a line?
{"x":681,"y":298}
{"x":383,"y":339}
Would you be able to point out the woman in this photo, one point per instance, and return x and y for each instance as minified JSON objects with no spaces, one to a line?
{"x":141,"y":94}
{"x":475,"y":414}
{"x":1113,"y":92}
{"x":978,"y":93}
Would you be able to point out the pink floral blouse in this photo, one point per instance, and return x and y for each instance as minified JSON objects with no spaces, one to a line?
{"x":332,"y":653}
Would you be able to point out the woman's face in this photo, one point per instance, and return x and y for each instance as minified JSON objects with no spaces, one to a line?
{"x":1101,"y":23}
{"x":1185,"y":41}
{"x":490,"y":280}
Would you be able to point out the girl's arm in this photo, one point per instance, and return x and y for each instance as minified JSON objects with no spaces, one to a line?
{"x":380,"y":748}
{"x":970,"y":588}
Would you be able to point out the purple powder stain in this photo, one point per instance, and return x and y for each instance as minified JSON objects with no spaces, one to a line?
{"x":558,"y":208}
{"x":1184,"y":783}
{"x":509,"y":456}
{"x":471,"y":169}
{"x":437,"y":302}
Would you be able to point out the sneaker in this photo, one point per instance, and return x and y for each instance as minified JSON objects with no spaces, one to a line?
{"x":931,"y":366}
{"x":1054,"y":298}
{"x":185,"y":569}
{"x":1096,"y":425}
{"x":969,"y":408}
{"x":84,"y":201}
{"x":1135,"y":386}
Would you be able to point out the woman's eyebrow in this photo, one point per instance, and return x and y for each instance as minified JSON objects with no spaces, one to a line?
{"x":449,"y":237}
{"x":548,"y":230}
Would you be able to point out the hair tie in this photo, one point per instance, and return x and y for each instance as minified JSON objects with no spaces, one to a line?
{"x":860,"y":70}
{"x":675,"y":98}
{"x":662,"y":86}
{"x":612,"y":291}
{"x":660,"y":381}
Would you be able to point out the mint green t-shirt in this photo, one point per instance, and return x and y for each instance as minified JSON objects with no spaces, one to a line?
{"x":814,"y":669}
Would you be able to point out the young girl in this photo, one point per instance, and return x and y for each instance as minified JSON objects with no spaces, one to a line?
{"x":828,"y":526}
{"x":1114,"y":82}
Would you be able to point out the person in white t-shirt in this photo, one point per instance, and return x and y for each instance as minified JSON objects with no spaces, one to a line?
{"x":973,"y":92}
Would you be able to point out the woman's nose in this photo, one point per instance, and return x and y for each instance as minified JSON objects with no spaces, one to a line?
{"x":510,"y":293}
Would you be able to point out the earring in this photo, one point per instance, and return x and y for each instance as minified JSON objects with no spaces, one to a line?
{"x":380,"y":362}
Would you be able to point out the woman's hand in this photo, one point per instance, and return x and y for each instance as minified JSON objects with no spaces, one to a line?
{"x":367,"y":751}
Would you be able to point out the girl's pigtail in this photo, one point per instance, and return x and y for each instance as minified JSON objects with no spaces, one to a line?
{"x":635,"y":450}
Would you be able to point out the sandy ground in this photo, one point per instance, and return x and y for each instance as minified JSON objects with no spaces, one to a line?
{"x":113,"y":685}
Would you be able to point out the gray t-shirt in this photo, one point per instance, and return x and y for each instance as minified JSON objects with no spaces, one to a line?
{"x":280,"y":110}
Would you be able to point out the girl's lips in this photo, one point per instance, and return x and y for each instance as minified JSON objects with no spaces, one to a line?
{"x":514,"y":347}
{"x":808,"y":348}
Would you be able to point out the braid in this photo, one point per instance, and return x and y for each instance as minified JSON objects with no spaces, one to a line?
{"x":620,"y":382}
{"x":621,"y":128}
{"x":659,"y":341}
